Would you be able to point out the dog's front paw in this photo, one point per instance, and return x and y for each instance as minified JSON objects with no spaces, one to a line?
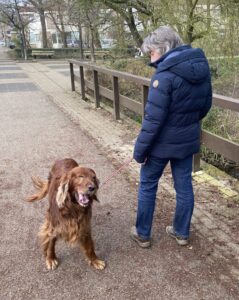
{"x":98,"y":264}
{"x":51,"y":264}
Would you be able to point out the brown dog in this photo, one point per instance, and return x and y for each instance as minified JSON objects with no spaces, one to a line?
{"x":71,"y":190}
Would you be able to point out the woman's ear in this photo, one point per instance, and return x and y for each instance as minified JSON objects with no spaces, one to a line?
{"x":62,"y":191}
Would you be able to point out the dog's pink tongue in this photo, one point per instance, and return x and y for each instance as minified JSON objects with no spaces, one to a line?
{"x":83,"y":199}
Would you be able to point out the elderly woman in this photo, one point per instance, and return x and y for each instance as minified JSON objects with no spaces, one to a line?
{"x":180,"y":95}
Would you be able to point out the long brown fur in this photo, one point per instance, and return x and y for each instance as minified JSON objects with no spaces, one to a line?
{"x":66,"y":217}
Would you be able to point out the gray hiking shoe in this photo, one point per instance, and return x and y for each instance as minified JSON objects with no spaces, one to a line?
{"x":180,"y":240}
{"x":141,"y":242}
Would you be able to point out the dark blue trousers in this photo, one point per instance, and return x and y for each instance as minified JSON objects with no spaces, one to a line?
{"x":149,"y":177}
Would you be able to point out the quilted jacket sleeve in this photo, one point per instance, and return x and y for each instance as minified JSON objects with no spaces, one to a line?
{"x":208,"y":102}
{"x":156,"y":111}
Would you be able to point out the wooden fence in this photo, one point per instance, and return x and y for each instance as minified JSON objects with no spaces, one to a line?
{"x":214,"y":142}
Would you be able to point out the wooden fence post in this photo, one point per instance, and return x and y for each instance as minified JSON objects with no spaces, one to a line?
{"x":96,"y":89}
{"x":196,"y":157}
{"x":196,"y":162}
{"x":82,"y":82}
{"x":145,"y":91}
{"x":72,"y":77}
{"x":116,"y":98}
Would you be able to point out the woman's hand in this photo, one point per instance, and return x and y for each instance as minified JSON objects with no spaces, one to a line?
{"x":144,"y":163}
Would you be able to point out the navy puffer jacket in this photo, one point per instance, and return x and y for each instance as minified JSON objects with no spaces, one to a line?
{"x":180,"y":95}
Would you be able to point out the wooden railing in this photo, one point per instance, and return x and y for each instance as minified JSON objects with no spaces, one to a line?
{"x":214,"y":142}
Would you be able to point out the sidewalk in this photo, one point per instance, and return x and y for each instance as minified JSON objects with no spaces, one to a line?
{"x":4,"y":57}
{"x":35,"y":132}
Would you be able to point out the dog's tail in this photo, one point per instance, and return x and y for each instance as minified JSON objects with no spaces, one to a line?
{"x":41,"y":186}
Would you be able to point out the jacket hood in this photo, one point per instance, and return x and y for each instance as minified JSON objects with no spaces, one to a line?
{"x":186,"y":62}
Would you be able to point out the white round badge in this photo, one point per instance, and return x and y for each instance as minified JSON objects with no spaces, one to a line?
{"x":155,"y":83}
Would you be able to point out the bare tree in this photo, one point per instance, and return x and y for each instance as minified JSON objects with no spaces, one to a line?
{"x":87,"y":15}
{"x":41,"y":6}
{"x":75,"y":17}
{"x":58,"y":13}
{"x":12,"y":13}
{"x":128,"y":9}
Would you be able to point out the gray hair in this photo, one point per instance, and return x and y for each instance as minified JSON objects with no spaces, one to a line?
{"x":161,"y":40}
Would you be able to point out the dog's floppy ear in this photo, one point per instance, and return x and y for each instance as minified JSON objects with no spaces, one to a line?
{"x":97,"y":183}
{"x":62,"y":192}
{"x":94,"y":197}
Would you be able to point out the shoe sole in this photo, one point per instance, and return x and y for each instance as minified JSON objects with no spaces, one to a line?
{"x":180,"y":242}
{"x":141,"y":244}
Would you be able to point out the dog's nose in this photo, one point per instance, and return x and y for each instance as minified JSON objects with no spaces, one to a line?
{"x":91,"y":188}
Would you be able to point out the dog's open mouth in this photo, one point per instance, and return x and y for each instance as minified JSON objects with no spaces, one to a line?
{"x":83,"y":199}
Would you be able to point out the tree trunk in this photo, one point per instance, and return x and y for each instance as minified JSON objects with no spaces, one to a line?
{"x":120,"y":31}
{"x":189,"y":34}
{"x":63,"y":38}
{"x":208,"y":15}
{"x":87,"y":37}
{"x":63,"y":33}
{"x":92,"y":48}
{"x":43,"y":28}
{"x":97,"y":39}
{"x":24,"y":43}
{"x":190,"y":27}
{"x":133,"y":29}
{"x":80,"y":41}
{"x":22,"y":32}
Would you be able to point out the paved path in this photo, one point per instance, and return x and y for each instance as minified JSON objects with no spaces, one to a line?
{"x":3,"y":53}
{"x":41,"y":120}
